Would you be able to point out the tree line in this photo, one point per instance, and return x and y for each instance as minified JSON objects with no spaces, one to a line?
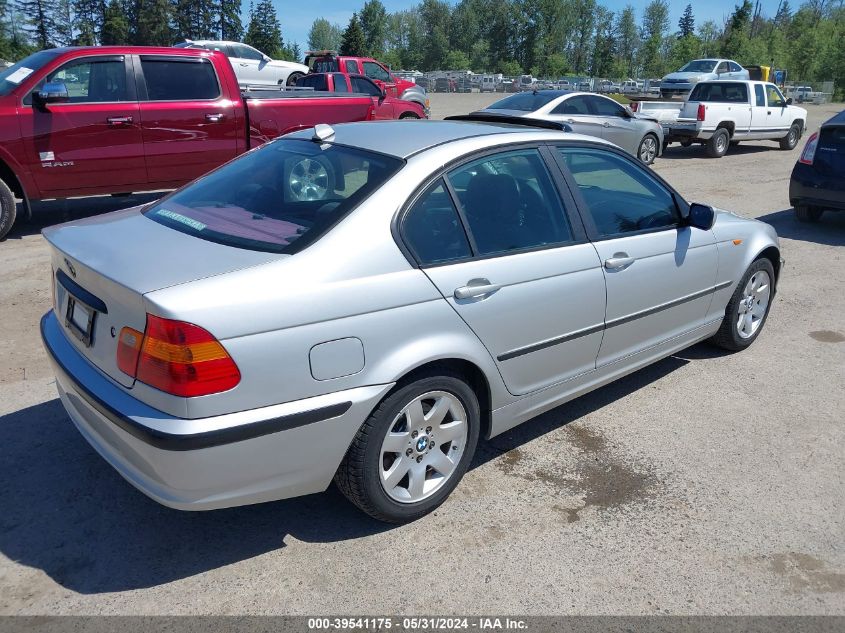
{"x":553,"y":38}
{"x":29,"y":25}
{"x":547,"y":38}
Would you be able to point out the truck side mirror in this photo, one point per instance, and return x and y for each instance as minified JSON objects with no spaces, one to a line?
{"x":52,"y":92}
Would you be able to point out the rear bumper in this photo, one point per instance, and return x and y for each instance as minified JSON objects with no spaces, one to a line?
{"x":247,"y":457}
{"x":809,"y":188}
{"x":688,"y":130}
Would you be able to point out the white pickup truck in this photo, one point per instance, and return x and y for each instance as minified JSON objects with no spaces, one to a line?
{"x":719,"y":114}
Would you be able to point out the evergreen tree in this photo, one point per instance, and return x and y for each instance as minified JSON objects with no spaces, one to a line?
{"x":737,"y":31}
{"x":153,"y":23}
{"x":88,"y":16}
{"x":628,"y":40}
{"x":655,"y":23}
{"x":195,"y":19}
{"x":62,"y":23}
{"x":374,"y":23}
{"x":687,"y":23}
{"x":324,"y":36}
{"x":115,"y":26}
{"x":264,"y":31}
{"x":40,"y":18}
{"x":231,"y":27}
{"x":353,"y":42}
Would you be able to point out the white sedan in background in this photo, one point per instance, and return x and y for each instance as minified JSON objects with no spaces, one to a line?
{"x":252,"y":67}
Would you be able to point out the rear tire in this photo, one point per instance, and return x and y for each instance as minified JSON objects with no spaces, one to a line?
{"x":717,"y":145}
{"x":8,"y":209}
{"x":789,"y":141}
{"x":805,"y":213}
{"x":746,"y":312}
{"x":402,"y":485}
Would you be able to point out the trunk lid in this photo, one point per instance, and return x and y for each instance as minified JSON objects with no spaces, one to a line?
{"x":103,"y":266}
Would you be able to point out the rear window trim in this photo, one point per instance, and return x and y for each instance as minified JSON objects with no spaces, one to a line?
{"x":144,"y":95}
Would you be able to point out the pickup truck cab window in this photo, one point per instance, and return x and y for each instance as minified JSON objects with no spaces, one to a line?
{"x":510,"y":203}
{"x":720,"y":92}
{"x":317,"y":82}
{"x":339,"y":81}
{"x":365,"y":86}
{"x":90,"y":81}
{"x":759,"y":96}
{"x":433,"y":229}
{"x":375,"y":71}
{"x":621,"y":197}
{"x":171,"y":79}
{"x":774,"y":96}
{"x":351,"y":66}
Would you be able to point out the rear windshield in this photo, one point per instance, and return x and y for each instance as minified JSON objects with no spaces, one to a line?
{"x":317,"y":82}
{"x":726,"y":92}
{"x":324,"y":65}
{"x":525,"y":101}
{"x":833,"y":136}
{"x":699,"y":66}
{"x":278,"y":199}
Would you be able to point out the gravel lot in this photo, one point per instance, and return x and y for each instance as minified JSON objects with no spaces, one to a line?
{"x":708,"y":483}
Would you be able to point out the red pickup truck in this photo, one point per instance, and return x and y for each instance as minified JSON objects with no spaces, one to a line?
{"x":116,"y":119}
{"x":386,"y":107}
{"x":331,"y":62}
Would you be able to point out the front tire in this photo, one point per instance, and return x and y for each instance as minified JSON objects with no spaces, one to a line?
{"x":8,"y":209}
{"x":805,"y":213}
{"x":748,"y":308}
{"x":717,"y":145}
{"x":647,"y":151}
{"x":789,"y":141}
{"x":413,"y":450}
{"x":293,"y":78}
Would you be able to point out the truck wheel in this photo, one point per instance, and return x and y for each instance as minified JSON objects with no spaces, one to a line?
{"x":717,"y":145}
{"x":804,"y":213}
{"x":789,"y":141}
{"x":686,"y":143}
{"x":413,"y":449}
{"x":647,"y":151}
{"x":408,"y":115}
{"x":8,"y":209}
{"x":293,"y":78}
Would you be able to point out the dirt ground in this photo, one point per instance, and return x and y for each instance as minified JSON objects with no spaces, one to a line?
{"x":707,"y":483}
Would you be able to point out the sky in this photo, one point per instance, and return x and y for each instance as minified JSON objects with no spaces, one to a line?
{"x":297,"y":16}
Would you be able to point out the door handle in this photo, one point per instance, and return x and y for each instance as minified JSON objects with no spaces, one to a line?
{"x":244,"y":65}
{"x":214,"y":118}
{"x":570,"y":120}
{"x":619,"y":261}
{"x":768,"y":111}
{"x":476,"y":288}
{"x":606,"y":124}
{"x":118,"y":121}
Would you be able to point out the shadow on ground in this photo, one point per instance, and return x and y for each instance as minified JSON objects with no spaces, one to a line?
{"x":68,"y":513}
{"x":830,"y":229}
{"x":49,"y":212}
{"x":677,"y":152}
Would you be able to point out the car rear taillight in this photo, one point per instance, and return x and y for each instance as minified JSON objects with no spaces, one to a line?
{"x":700,"y":114}
{"x":809,"y":149}
{"x":176,"y":357}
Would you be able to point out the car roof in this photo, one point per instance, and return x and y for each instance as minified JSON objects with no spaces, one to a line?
{"x":837,"y":119}
{"x":403,"y":139}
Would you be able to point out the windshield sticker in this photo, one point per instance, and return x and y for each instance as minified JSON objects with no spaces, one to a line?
{"x":177,"y":217}
{"x":19,"y":75}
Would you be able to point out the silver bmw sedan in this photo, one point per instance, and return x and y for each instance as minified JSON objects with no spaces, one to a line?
{"x":590,"y":114}
{"x":366,"y":303}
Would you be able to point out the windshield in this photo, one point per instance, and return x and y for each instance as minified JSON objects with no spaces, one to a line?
{"x":525,"y":101}
{"x":699,"y":66}
{"x":12,"y":76}
{"x":279,"y":199}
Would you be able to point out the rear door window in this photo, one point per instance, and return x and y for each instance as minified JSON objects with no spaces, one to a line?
{"x":605,"y":107}
{"x":169,"y":79}
{"x":340,"y":84}
{"x":759,"y":96}
{"x":573,"y":105}
{"x":317,"y":82}
{"x":510,"y":202}
{"x":279,"y":198}
{"x":432,"y":228}
{"x":351,"y":66}
{"x":364,"y":86}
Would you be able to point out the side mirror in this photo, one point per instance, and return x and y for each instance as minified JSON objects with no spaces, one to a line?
{"x":53,"y":92}
{"x":701,"y":216}
{"x":789,"y":101}
{"x":266,"y":58}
